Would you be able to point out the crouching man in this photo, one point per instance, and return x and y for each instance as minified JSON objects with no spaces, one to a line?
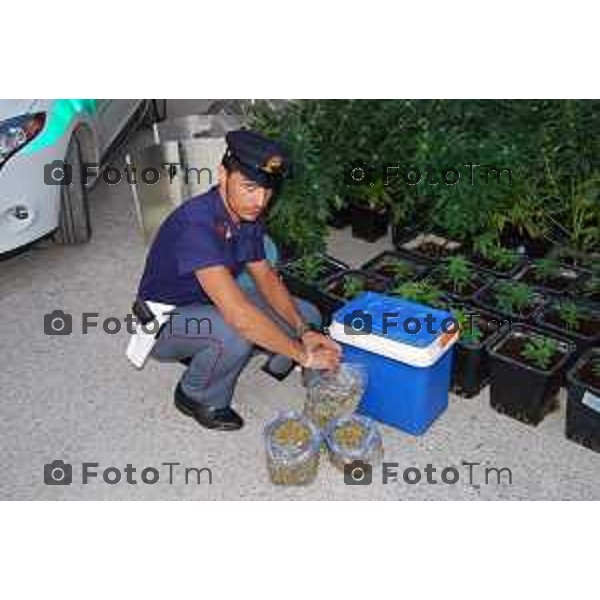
{"x":193,"y":263}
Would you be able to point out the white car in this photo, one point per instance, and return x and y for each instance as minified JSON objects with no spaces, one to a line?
{"x":34,"y":134}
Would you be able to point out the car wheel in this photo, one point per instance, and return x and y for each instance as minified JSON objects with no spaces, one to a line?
{"x":74,"y":226}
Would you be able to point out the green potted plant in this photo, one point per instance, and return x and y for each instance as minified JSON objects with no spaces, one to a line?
{"x":514,"y":299}
{"x":492,"y":258}
{"x":345,"y":286}
{"x":340,"y":213}
{"x":571,"y":258}
{"x":421,"y":292}
{"x":527,"y":369}
{"x":304,"y":276}
{"x":589,"y":288}
{"x":408,"y":217}
{"x":578,"y":217}
{"x":522,"y":221}
{"x":395,"y":266}
{"x":313,"y":268}
{"x":457,"y":278}
{"x":550,"y":275}
{"x":573,"y":320}
{"x":370,"y":211}
{"x":583,"y":403}
{"x":297,"y":216}
{"x":352,"y":286}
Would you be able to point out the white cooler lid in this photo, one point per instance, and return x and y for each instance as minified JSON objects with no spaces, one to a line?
{"x":379,"y":313}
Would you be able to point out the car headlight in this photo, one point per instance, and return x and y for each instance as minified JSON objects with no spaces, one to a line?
{"x":17,"y":132}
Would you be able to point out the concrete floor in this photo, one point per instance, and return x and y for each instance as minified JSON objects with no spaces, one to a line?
{"x":77,"y":399}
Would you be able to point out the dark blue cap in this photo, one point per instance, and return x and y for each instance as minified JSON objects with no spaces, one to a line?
{"x":259,"y":158}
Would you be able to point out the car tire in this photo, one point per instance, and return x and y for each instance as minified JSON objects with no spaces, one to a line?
{"x":74,"y":226}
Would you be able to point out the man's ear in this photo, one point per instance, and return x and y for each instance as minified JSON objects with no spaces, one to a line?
{"x":222,"y":174}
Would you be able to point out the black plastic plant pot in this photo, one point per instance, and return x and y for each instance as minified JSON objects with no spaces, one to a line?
{"x":396,"y":267}
{"x":417,"y":222}
{"x":287,"y":252}
{"x":571,"y":258}
{"x":486,"y":299}
{"x":586,"y":331}
{"x":537,"y":248}
{"x":402,"y":234}
{"x":329,"y":266}
{"x":588,"y":289}
{"x":299,"y":286}
{"x":327,"y":307}
{"x":368,"y":224}
{"x":488,"y":266}
{"x":340,"y":218}
{"x":471,"y":371}
{"x":339,"y":289}
{"x":430,"y":247}
{"x":471,"y":367}
{"x":519,"y":388}
{"x":326,"y":303}
{"x":583,"y":402}
{"x":511,"y":237}
{"x":565,"y":281}
{"x":465,"y":294}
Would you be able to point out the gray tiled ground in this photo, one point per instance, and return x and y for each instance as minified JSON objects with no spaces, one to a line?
{"x":77,"y":399}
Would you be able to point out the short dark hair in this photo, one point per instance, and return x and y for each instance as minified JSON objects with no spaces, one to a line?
{"x":230,"y":164}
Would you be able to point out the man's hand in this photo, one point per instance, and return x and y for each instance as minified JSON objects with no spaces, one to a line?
{"x":320,"y":358}
{"x":321,"y":351}
{"x":314,"y":339}
{"x":317,"y":351}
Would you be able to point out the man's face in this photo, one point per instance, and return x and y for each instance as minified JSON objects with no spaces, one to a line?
{"x":245,"y":197}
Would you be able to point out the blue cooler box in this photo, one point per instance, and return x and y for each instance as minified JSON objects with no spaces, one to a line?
{"x":408,"y":373}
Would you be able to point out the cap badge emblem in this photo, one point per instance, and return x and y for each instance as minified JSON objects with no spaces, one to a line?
{"x":273,"y":165}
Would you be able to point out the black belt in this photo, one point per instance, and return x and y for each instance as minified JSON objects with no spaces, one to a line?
{"x":142,"y":311}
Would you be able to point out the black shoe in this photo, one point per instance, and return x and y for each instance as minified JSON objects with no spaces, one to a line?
{"x":222,"y":419}
{"x":278,"y":366}
{"x":187,"y":361}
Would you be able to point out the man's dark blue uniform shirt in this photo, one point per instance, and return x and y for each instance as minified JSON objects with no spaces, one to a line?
{"x":199,"y":233}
